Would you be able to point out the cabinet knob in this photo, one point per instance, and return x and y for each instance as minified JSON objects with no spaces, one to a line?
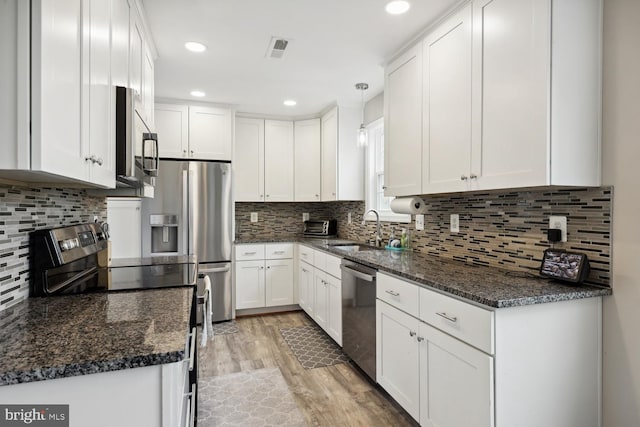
{"x":191,"y":152}
{"x":317,"y":195}
{"x":333,"y":194}
{"x":463,"y":178}
{"x":267,"y":195}
{"x":420,"y":339}
{"x":261,"y":268}
{"x":98,"y":161}
{"x":268,"y":267}
{"x":184,"y":152}
{"x":261,"y":196}
{"x":412,"y":334}
{"x":473,"y":176}
{"x":384,"y":187}
{"x":89,"y":159}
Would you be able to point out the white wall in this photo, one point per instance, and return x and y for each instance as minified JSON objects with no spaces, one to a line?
{"x":621,"y":157}
{"x":374,"y":108}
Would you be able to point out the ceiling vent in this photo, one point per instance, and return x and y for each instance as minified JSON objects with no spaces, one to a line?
{"x":277,"y":47}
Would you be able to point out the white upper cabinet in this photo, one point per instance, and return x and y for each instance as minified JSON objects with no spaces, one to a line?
{"x":194,"y":132}
{"x":307,"y":160}
{"x":248,"y":160}
{"x":278,"y":161}
{"x":136,"y":52}
{"x":120,"y":27}
{"x":502,"y":94}
{"x":210,"y":131}
{"x":148,"y":87}
{"x":537,"y":93}
{"x":403,"y":124}
{"x":172,"y":126}
{"x":342,"y":161}
{"x":446,"y":121}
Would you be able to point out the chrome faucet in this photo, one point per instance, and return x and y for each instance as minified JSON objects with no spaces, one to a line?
{"x":378,"y":235}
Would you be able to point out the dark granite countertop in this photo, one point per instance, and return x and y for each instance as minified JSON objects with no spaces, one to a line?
{"x":65,"y":336}
{"x":488,"y":286}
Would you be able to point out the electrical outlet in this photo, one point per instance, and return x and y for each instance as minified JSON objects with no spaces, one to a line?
{"x":305,"y":216}
{"x":419,"y":222}
{"x":254,"y":216}
{"x":349,"y":219}
{"x":454,"y":223}
{"x":96,"y":218}
{"x":560,"y":223}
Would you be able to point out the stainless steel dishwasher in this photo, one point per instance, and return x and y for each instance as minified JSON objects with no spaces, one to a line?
{"x":359,"y":315}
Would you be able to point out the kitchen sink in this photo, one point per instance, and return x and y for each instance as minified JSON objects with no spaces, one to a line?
{"x":354,"y":247}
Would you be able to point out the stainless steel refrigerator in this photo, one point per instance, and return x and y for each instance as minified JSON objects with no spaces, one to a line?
{"x":191,"y":215}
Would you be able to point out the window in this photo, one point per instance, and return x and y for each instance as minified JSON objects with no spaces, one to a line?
{"x":374,"y":185}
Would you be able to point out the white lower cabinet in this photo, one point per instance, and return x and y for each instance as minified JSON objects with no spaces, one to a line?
{"x":264,"y":275}
{"x":320,"y":290}
{"x":450,"y":363}
{"x":456,"y":381}
{"x":125,"y":220}
{"x":305,"y":287}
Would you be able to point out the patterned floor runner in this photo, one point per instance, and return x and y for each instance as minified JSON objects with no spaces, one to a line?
{"x":313,"y":347}
{"x":250,"y":398}
{"x":224,"y":328}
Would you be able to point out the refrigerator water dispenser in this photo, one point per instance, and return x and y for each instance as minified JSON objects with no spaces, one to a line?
{"x":164,"y":234}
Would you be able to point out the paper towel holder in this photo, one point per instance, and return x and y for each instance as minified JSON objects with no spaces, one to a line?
{"x":408,"y":205}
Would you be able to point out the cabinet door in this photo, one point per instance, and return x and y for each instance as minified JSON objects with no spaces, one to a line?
{"x":446,"y":152}
{"x":320,"y":303}
{"x":329,"y":161}
{"x":56,"y":52}
{"x":510,"y":93}
{"x":250,"y":291}
{"x":334,"y":308}
{"x":125,"y":220}
{"x":305,"y":287}
{"x":403,"y":125}
{"x":397,"y":356}
{"x":172,"y":125}
{"x":279,"y":282}
{"x":307,"y":160}
{"x":136,"y":52}
{"x":454,"y":375}
{"x":148,"y":86}
{"x":209,"y":133}
{"x":99,"y":105}
{"x":120,"y":27}
{"x":248,"y":160}
{"x":278,"y":161}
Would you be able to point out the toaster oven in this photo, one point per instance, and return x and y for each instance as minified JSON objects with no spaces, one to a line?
{"x":322,"y":228}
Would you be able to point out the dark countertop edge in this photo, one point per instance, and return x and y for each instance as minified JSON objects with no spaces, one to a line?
{"x":92,"y":367}
{"x":470,"y":297}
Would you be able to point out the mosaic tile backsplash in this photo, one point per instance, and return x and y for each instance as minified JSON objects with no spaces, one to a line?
{"x":501,"y":229}
{"x":24,"y":209}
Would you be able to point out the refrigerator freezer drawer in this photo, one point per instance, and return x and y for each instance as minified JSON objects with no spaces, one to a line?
{"x":221,"y":290}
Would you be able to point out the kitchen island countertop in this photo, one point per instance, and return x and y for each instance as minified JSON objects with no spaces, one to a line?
{"x":64,"y":336}
{"x":488,"y":286}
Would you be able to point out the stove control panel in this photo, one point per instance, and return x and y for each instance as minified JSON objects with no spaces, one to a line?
{"x":68,"y":244}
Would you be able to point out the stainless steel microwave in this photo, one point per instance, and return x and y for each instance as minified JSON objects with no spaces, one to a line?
{"x":137,"y":156}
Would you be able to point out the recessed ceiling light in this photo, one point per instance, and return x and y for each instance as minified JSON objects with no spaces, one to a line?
{"x":197,"y":93}
{"x":290,"y":103}
{"x":397,"y":7}
{"x":195,"y":47}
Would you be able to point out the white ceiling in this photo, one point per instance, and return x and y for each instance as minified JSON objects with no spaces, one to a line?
{"x":335,"y":44}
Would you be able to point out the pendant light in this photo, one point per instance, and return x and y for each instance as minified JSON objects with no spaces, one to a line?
{"x":362,"y":131}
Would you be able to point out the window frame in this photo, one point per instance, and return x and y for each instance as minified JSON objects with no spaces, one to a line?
{"x":371,"y":177}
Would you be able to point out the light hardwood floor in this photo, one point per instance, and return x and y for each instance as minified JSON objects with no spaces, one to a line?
{"x":336,"y":395}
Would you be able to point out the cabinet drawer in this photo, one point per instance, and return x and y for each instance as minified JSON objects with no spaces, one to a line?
{"x":249,"y":252}
{"x":305,"y":253}
{"x":400,"y":294}
{"x":279,"y":251}
{"x":468,"y":323}
{"x":332,"y":265}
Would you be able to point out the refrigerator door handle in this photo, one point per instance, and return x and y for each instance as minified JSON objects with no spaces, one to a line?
{"x":214,"y":270}
{"x":193,"y":191}
{"x":185,"y":212}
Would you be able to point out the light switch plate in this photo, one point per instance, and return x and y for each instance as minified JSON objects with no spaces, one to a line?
{"x":305,"y":216}
{"x":254,"y":216}
{"x":419,"y":222}
{"x":559,"y":222}
{"x":455,"y":223}
{"x":349,"y":219}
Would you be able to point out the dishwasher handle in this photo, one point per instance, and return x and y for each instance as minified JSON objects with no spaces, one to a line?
{"x":358,"y":274}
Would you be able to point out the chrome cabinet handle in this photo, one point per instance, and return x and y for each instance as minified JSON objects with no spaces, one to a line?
{"x":250,"y":253}
{"x":192,"y":350}
{"x":447,"y":316}
{"x":278,"y":252}
{"x":463,"y":178}
{"x":384,"y":187}
{"x":98,"y":161}
{"x":412,"y":334}
{"x":91,"y":159}
{"x":390,"y":292}
{"x":420,"y":339}
{"x":304,"y":270}
{"x":473,"y":176}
